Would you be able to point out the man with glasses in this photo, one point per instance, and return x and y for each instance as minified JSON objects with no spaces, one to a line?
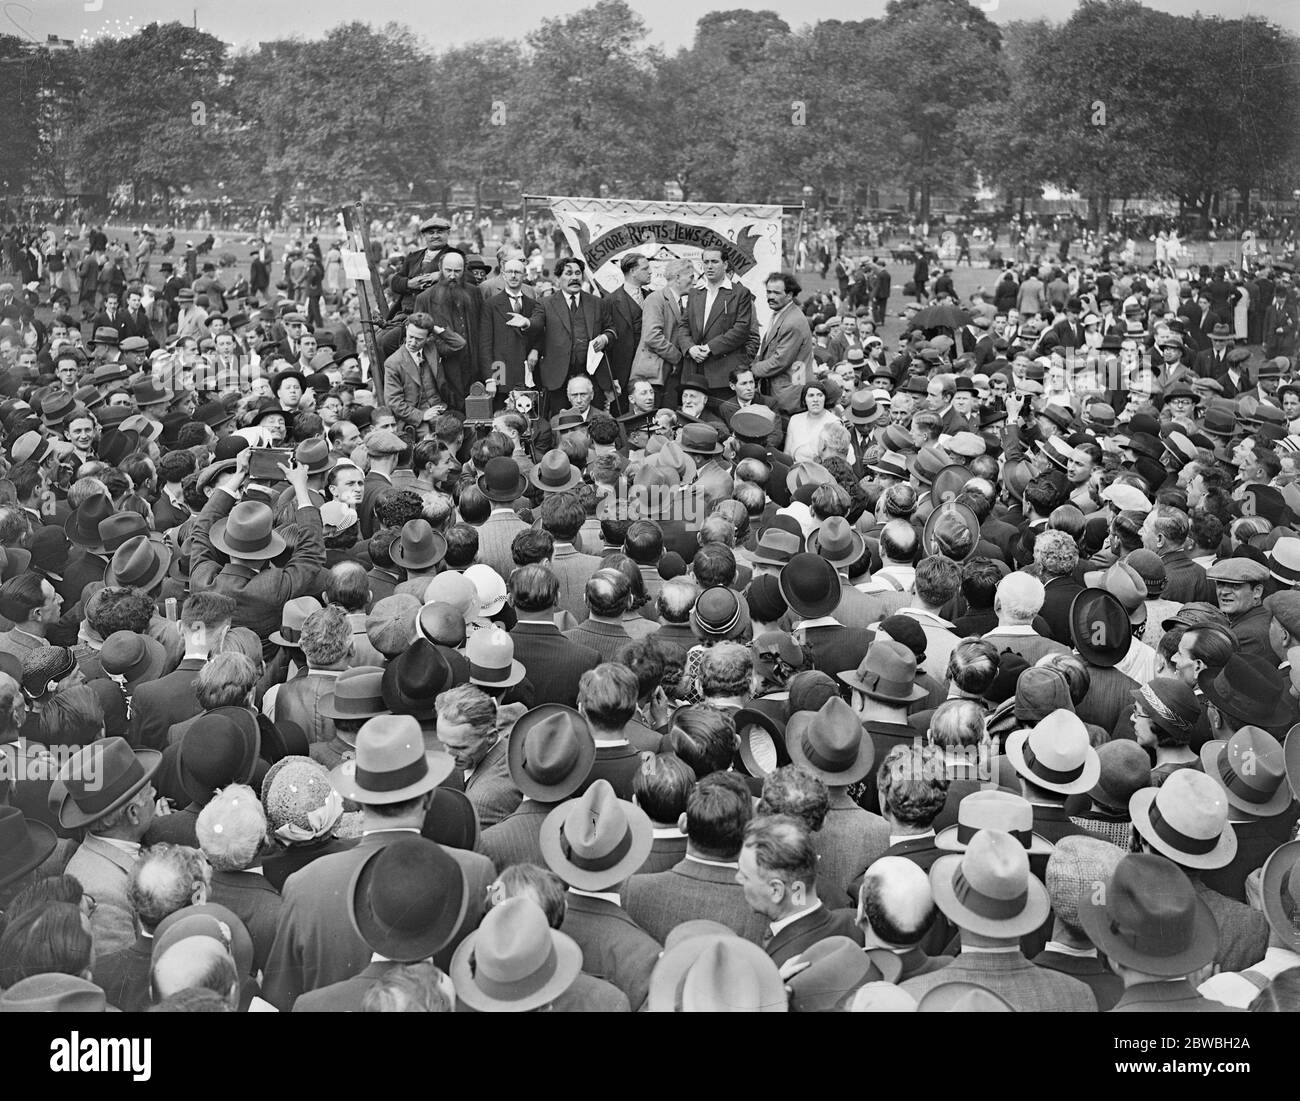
{"x":512,"y":326}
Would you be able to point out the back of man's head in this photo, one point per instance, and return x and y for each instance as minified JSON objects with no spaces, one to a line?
{"x":165,"y":879}
{"x":717,"y":812}
{"x":197,"y":961}
{"x":896,"y":901}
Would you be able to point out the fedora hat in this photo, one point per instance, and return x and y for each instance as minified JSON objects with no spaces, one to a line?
{"x":1124,"y":583}
{"x":1125,"y":768}
{"x":988,"y":889}
{"x":53,"y":992}
{"x":889,"y":466}
{"x":887,"y":672}
{"x":358,"y":695}
{"x":597,"y":840}
{"x":248,"y":533}
{"x":391,"y":764}
{"x":762,"y":741}
{"x":1291,"y":754}
{"x":414,"y":678}
{"x":104,"y":334}
{"x":810,"y":585}
{"x":1251,"y":769}
{"x":700,"y":439}
{"x":1250,"y":689}
{"x":1100,"y":627}
{"x":502,"y":481}
{"x":419,"y":547}
{"x":555,"y":473}
{"x":776,"y":546}
{"x":491,"y":655}
{"x":1186,"y":819}
{"x":514,"y":961}
{"x":407,"y":900}
{"x":962,"y":997}
{"x":927,"y":463}
{"x":147,"y":392}
{"x":293,"y":615}
{"x":807,"y":473}
{"x":993,"y":810}
{"x":139,"y":563}
{"x":951,"y":530}
{"x":719,"y":614}
{"x":950,"y":481}
{"x":837,"y":966}
{"x":315,"y":455}
{"x":1148,"y":916}
{"x":550,"y":752}
{"x":134,"y":657}
{"x":82,"y":527}
{"x":57,"y":408}
{"x":830,"y":743}
{"x":1280,"y":889}
{"x":99,"y":779}
{"x":272,"y":408}
{"x":864,"y":411}
{"x":711,"y":972}
{"x":219,"y":748}
{"x":837,"y":542}
{"x":24,"y":845}
{"x":1056,"y":754}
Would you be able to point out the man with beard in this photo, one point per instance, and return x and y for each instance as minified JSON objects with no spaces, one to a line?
{"x":455,"y":307}
{"x":574,"y":321}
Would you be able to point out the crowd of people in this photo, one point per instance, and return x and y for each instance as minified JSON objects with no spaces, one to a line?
{"x":617,"y":653}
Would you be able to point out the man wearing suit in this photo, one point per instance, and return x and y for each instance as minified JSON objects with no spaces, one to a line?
{"x":704,"y":884}
{"x":562,"y":518}
{"x":555,"y":665}
{"x":416,"y":387}
{"x":574,"y":321}
{"x":243,"y":569}
{"x":785,"y":353}
{"x":157,"y":705}
{"x":1235,"y":380}
{"x":658,"y":359}
{"x":107,"y":790}
{"x":458,"y":308}
{"x":410,"y":279}
{"x":469,"y":729}
{"x":625,"y":306}
{"x":778,"y":874}
{"x":896,"y":911}
{"x":1212,"y":362}
{"x":511,"y":325}
{"x":714,"y":332}
{"x":502,"y":482}
{"x":316,"y":942}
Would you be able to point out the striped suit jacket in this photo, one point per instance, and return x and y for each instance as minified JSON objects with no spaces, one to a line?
{"x":614,"y":947}
{"x":1028,"y":989}
{"x":515,"y":840}
{"x":490,"y":788}
{"x":661,"y":901}
{"x":495,"y":535}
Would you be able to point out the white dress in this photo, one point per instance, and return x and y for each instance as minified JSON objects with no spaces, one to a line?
{"x":1239,"y":321}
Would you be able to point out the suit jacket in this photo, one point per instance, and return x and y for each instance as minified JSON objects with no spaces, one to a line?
{"x":836,"y":649}
{"x":1185,"y":580}
{"x":1060,"y":593}
{"x":850,"y":841}
{"x":788,"y":341}
{"x":554,"y":663}
{"x":916,"y":962}
{"x":616,"y":763}
{"x":1256,"y":840}
{"x":573,"y":568}
{"x":490,"y":788}
{"x":259,"y":596}
{"x":607,"y":639}
{"x":614,"y":947}
{"x":516,"y":838}
{"x":298,"y":700}
{"x":657,"y":356}
{"x":495,"y":535}
{"x":802,"y":934}
{"x":374,"y":487}
{"x":1176,"y":996}
{"x":625,"y":314}
{"x":1108,"y":697}
{"x":557,"y":340}
{"x":1028,"y":988}
{"x":315,"y":942}
{"x":399,"y":288}
{"x":255,"y":902}
{"x":726,"y":331}
{"x":661,"y":901}
{"x":589,"y":994}
{"x":345,"y":996}
{"x":103,"y":870}
{"x":403,"y":391}
{"x":157,"y":705}
{"x":665,"y":853}
{"x":124,"y":976}
{"x":499,"y":343}
{"x":1105,"y":985}
{"x":1243,"y":930}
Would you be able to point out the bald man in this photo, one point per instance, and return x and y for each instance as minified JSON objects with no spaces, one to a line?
{"x":895,"y":912}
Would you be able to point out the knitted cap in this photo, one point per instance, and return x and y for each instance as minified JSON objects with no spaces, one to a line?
{"x":301,"y":804}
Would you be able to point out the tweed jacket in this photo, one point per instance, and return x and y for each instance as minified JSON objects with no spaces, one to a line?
{"x":850,"y":840}
{"x":614,"y":947}
{"x":661,"y":901}
{"x":345,"y":996}
{"x":1105,"y":985}
{"x":495,"y":535}
{"x":490,"y":788}
{"x":1243,"y":931}
{"x":1028,"y":989}
{"x":607,"y":639}
{"x":573,"y":568}
{"x":103,"y":870}
{"x":516,"y":838}
{"x":1176,"y":996}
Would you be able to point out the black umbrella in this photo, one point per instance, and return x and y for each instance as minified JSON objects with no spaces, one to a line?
{"x":940,"y":317}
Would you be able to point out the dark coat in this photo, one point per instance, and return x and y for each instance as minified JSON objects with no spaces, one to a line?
{"x":625,"y":312}
{"x":726,"y":331}
{"x":661,"y":901}
{"x":502,"y":343}
{"x":614,"y":947}
{"x":557,"y":341}
{"x":554,"y":663}
{"x":802,"y":934}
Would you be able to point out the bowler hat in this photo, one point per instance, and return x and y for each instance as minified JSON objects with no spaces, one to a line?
{"x":1149,"y":917}
{"x":887,"y":673}
{"x":391,"y":764}
{"x":502,"y":481}
{"x":248,"y":533}
{"x":219,"y":748}
{"x":1056,"y":754}
{"x":810,"y":585}
{"x":1100,"y":628}
{"x":830,"y":743}
{"x":407,"y":900}
{"x":102,"y":777}
{"x":988,"y":889}
{"x":597,"y":840}
{"x":550,"y":752}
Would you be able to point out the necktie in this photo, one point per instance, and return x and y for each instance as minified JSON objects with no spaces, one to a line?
{"x":573,"y":303}
{"x":514,"y":305}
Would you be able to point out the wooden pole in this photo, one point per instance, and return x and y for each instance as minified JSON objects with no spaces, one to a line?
{"x":354,"y":221}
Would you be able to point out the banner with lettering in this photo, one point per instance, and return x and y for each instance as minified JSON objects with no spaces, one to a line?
{"x":602,"y":231}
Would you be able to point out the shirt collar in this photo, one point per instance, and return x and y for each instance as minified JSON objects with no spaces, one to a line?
{"x":131,"y":848}
{"x":820,"y":621}
{"x":1067,"y":950}
{"x":611,"y":897}
{"x":899,"y":838}
{"x":714,"y":863}
{"x":777,"y":926}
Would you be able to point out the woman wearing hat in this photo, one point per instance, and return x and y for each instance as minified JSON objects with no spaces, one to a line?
{"x":304,"y":817}
{"x":801,"y":436}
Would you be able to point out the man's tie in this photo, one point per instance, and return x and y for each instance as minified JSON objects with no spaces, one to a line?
{"x":573,"y":303}
{"x":514,"y":305}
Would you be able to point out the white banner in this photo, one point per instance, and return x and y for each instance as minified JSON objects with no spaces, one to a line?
{"x":601,"y":231}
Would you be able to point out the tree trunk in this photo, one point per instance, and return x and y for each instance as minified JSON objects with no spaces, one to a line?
{"x":1103,"y":213}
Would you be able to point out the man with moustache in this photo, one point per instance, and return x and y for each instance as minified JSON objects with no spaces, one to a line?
{"x":457,"y":308}
{"x":512,"y":325}
{"x":574,"y":321}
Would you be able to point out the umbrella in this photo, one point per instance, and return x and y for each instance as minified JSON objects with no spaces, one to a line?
{"x":940,"y":317}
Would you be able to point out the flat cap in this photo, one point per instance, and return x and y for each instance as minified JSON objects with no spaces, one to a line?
{"x":383,"y":442}
{"x":1285,"y":608}
{"x":1238,"y":571}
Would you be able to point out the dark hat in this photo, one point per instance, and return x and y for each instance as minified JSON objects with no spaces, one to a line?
{"x":1100,"y":628}
{"x":57,"y":408}
{"x":134,"y":657}
{"x":120,"y":528}
{"x":1170,"y":705}
{"x":887,"y":673}
{"x":24,"y":845}
{"x":810,"y":585}
{"x":315,"y":455}
{"x":270,"y":408}
{"x":830,"y":743}
{"x":1250,"y":690}
{"x":837,"y":542}
{"x":1125,"y":769}
{"x":1280,"y":889}
{"x":104,"y":335}
{"x":147,"y":392}
{"x":700,"y":439}
{"x":952,"y":530}
{"x":407,"y":900}
{"x":50,"y":547}
{"x":213,"y":413}
{"x":419,"y":547}
{"x":247,"y":533}
{"x":413,"y":679}
{"x":838,"y":966}
{"x":138,"y":563}
{"x":762,"y":738}
{"x":766,"y":604}
{"x":502,"y":481}
{"x":82,"y":527}
{"x":99,"y":779}
{"x":219,"y":748}
{"x":718,"y":614}
{"x":550,"y":752}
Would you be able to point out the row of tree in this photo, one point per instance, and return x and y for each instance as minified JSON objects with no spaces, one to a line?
{"x":1120,"y":101}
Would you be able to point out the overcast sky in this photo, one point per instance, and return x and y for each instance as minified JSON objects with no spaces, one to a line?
{"x":671,"y":22}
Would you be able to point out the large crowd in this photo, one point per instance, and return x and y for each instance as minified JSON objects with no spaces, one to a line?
{"x":619,"y":652}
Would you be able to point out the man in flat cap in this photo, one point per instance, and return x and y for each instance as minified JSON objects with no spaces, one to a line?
{"x":415,"y":274}
{"x":1239,"y":584}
